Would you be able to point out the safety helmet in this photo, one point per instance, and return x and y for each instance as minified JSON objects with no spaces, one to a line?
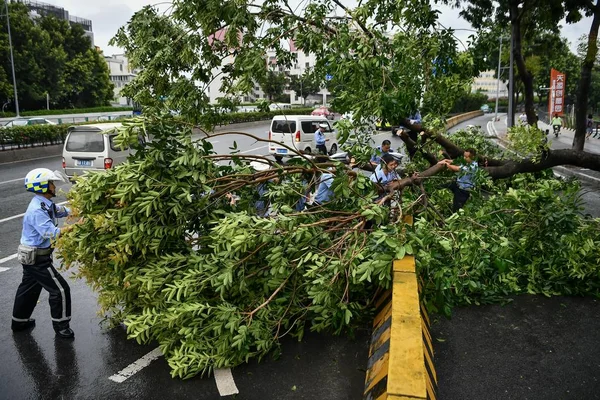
{"x":38,"y":180}
{"x":259,"y":166}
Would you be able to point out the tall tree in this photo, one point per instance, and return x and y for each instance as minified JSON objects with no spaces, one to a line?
{"x":526,"y":19}
{"x":273,"y":84}
{"x":305,"y":85}
{"x":583,"y":89}
{"x":52,"y":57}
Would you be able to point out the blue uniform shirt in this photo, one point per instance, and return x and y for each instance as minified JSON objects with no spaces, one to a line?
{"x":324,"y":191}
{"x":467,"y":173}
{"x":39,"y":224}
{"x":376,"y":158}
{"x":319,"y":137}
{"x":380,"y":177}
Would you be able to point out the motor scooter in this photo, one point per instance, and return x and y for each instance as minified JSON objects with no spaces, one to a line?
{"x":556,"y":130}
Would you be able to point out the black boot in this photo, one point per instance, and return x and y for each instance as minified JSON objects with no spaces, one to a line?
{"x":62,"y":330}
{"x":18,"y":326}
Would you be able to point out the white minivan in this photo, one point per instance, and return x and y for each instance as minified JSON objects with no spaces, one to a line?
{"x":298,"y":132}
{"x":91,"y":148}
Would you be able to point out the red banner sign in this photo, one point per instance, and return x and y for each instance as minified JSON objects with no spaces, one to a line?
{"x":558,"y":86}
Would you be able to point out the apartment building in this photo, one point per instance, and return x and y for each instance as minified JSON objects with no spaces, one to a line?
{"x":486,"y":83}
{"x":120,"y":75}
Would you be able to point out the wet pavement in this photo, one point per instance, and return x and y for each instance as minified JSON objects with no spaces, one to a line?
{"x":35,"y":365}
{"x":534,"y":348}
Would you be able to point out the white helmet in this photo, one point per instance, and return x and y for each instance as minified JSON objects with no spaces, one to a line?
{"x":37,"y":180}
{"x":259,"y":166}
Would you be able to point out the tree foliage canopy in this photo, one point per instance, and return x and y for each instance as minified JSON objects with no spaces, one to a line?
{"x":217,"y":283}
{"x":51,"y":56}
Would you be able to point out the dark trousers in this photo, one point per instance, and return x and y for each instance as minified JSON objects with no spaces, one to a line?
{"x":40,"y":275}
{"x":321,"y":149}
{"x":460,"y":196}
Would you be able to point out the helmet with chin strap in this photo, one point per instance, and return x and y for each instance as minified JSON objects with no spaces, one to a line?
{"x":38,"y":180}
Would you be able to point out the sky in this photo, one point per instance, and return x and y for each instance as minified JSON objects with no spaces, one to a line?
{"x":109,"y":15}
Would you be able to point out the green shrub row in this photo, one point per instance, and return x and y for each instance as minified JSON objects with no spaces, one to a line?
{"x":238,"y":117}
{"x":28,"y":136}
{"x":25,"y":136}
{"x":69,"y":111}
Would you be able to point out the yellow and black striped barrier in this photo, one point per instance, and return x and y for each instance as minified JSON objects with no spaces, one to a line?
{"x":401,"y":352}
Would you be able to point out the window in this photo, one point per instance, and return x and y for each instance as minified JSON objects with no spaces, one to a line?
{"x":83,"y":141}
{"x":307,"y":65}
{"x":121,"y":67}
{"x":283,"y":126}
{"x":308,"y":127}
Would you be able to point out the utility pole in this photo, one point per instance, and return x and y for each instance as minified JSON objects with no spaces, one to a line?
{"x":12,"y":60}
{"x":498,"y":79}
{"x":511,"y":80}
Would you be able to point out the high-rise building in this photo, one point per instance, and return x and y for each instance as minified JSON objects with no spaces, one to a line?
{"x":120,"y":74}
{"x":38,"y":8}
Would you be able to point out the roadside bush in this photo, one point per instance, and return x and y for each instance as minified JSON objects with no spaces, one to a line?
{"x":529,"y":238}
{"x":26,"y":136}
{"x":238,"y":117}
{"x":69,"y":111}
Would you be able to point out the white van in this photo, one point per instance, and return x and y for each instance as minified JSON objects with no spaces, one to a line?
{"x":280,"y":106}
{"x":91,"y":148}
{"x":298,"y":132}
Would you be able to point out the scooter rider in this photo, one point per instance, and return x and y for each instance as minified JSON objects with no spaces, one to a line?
{"x":556,"y":124}
{"x":35,"y":254}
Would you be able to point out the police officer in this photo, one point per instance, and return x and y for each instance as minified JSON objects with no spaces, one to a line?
{"x":35,"y":253}
{"x":320,"y":138}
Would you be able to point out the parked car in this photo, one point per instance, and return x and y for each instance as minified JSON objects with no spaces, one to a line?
{"x":280,"y":106}
{"x":297,"y":132}
{"x":27,"y":122}
{"x":323,"y":112}
{"x":485,"y":108}
{"x":92,"y":148}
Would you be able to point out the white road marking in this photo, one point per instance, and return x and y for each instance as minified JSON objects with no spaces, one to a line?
{"x":225,"y":383}
{"x":13,"y":180}
{"x":2,"y":269}
{"x":136,"y":366}
{"x":20,"y":215}
{"x":6,"y":259}
{"x":257,"y":148}
{"x":31,"y":159}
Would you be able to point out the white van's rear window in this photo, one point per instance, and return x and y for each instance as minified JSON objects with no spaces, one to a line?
{"x":86,"y":142}
{"x":283,"y":126}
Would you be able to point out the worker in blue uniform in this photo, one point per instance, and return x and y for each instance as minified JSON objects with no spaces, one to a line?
{"x":40,"y":226}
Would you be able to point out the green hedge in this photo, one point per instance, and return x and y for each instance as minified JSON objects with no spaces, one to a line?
{"x":29,"y":136}
{"x":68,"y":111}
{"x":238,"y":117}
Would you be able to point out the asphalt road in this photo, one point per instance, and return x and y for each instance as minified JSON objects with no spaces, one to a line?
{"x":533,"y":348}
{"x":36,"y":365}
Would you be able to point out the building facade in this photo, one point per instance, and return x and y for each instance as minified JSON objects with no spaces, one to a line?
{"x":120,"y":75}
{"x":486,"y":83}
{"x":38,"y":8}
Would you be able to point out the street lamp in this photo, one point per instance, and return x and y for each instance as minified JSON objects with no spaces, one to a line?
{"x":498,"y":78}
{"x":12,"y":60}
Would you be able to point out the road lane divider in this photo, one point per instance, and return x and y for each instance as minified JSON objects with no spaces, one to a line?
{"x":225,"y":383}
{"x":400,"y":364}
{"x":136,"y":366}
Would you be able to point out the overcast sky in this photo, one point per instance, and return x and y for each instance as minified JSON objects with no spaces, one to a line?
{"x":108,"y":15}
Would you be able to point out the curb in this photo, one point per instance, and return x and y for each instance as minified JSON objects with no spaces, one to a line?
{"x":400,"y":362}
{"x":10,"y":156}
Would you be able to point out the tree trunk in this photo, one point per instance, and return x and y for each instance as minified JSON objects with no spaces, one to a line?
{"x":525,"y":75}
{"x":583,"y":88}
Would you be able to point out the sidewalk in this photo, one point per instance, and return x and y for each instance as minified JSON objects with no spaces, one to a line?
{"x":564,"y":141}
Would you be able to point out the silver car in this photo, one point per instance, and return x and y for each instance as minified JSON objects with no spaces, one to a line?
{"x":91,"y":148}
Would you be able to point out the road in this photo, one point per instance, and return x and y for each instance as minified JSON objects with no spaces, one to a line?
{"x":534,"y":348}
{"x":36,"y":365}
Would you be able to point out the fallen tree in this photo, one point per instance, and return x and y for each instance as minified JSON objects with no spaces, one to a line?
{"x":173,"y":240}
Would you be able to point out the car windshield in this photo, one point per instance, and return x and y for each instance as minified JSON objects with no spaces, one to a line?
{"x":18,"y":122}
{"x":283,"y":126}
{"x":85,"y":141}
